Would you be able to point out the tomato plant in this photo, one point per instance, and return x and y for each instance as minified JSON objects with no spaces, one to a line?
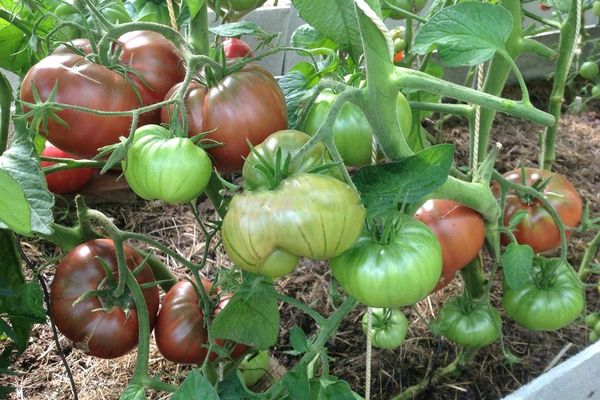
{"x":398,"y":273}
{"x":67,"y":181}
{"x":470,"y":323}
{"x":460,"y":231}
{"x":236,"y":5}
{"x":234,"y":48}
{"x":180,"y":333}
{"x":150,"y":10}
{"x":537,"y":228}
{"x":113,"y":10}
{"x":246,"y":105}
{"x":352,"y":133}
{"x":408,"y":5}
{"x":551,"y":297}
{"x":101,"y":325}
{"x":389,"y":327}
{"x":171,"y":169}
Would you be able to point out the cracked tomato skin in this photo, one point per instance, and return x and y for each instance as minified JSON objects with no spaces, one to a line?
{"x":66,"y":181}
{"x":247,"y":105}
{"x":98,"y":333}
{"x":180,"y":331}
{"x":460,"y":231}
{"x":538,"y":229}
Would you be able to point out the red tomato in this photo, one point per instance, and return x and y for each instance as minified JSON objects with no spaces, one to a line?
{"x":460,"y":231}
{"x":180,"y":333}
{"x":247,"y":105}
{"x":234,"y":48}
{"x":538,"y":229}
{"x":398,"y":57}
{"x":104,"y":334}
{"x":67,"y":181}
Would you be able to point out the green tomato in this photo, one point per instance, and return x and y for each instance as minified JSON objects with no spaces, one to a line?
{"x":113,"y":10}
{"x":468,"y":322}
{"x":307,"y":215}
{"x":352,"y":133}
{"x":592,"y":319}
{"x":593,"y":336}
{"x":545,"y":303}
{"x":596,"y":327}
{"x":388,"y":328}
{"x":596,"y":8}
{"x":394,"y":274}
{"x":589,"y":70}
{"x":171,"y":169}
{"x":253,"y":367}
{"x":287,"y":143}
{"x":596,"y":92}
{"x":151,"y":11}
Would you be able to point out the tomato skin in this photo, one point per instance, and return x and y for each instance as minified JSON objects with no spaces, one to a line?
{"x":171,"y":169}
{"x":254,"y":368}
{"x":545,"y":307}
{"x":98,"y":333}
{"x":180,"y":332}
{"x":307,"y":215}
{"x":67,"y":181}
{"x":460,"y":231}
{"x":386,"y":334}
{"x":589,"y":70}
{"x":596,"y":92}
{"x":391,"y":275}
{"x":234,"y":48}
{"x":475,"y":325}
{"x":538,"y":229}
{"x":351,"y":131}
{"x":245,"y":105}
{"x":288,"y":142}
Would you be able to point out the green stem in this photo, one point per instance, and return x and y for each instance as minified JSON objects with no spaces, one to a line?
{"x":474,"y":278}
{"x":463,"y":110}
{"x":6,"y":99}
{"x":475,"y":195}
{"x":588,"y":257}
{"x":319,"y":319}
{"x":538,"y":48}
{"x":404,"y":13}
{"x":565,"y":49}
{"x":542,"y":20}
{"x":68,"y":237}
{"x":16,"y":22}
{"x":67,"y":163}
{"x":213,"y":192}
{"x":199,"y":31}
{"x":520,"y":79}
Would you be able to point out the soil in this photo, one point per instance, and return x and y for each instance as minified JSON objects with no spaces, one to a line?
{"x":41,"y":375}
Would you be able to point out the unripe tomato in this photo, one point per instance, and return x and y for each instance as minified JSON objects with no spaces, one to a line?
{"x":234,"y":48}
{"x":596,"y":92}
{"x":596,"y":8}
{"x":589,"y":70}
{"x":253,"y":367}
{"x":69,"y":180}
{"x":469,"y":323}
{"x":388,"y":327}
{"x":161,"y":167}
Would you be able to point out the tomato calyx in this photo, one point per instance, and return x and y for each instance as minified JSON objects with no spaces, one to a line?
{"x":547,"y":276}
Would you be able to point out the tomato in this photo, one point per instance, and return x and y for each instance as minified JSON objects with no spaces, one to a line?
{"x":352,"y":133}
{"x":236,"y":5}
{"x":180,"y":333}
{"x":546,"y":302}
{"x":66,"y":181}
{"x":592,"y":319}
{"x":398,"y":57}
{"x":545,"y":7}
{"x":307,"y":215}
{"x":246,"y":105}
{"x":469,"y":323}
{"x":288,"y":143}
{"x":538,"y":229}
{"x":460,"y":231}
{"x":596,"y":8}
{"x":254,"y":366}
{"x":388,"y":327}
{"x":234,"y":47}
{"x":102,"y":326}
{"x":161,"y":167}
{"x":589,"y":70}
{"x":596,"y":92}
{"x":113,"y":10}
{"x":398,"y":273}
{"x":408,"y":5}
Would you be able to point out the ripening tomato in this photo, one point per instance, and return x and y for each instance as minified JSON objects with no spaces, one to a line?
{"x":180,"y":333}
{"x":69,"y":180}
{"x":102,"y":326}
{"x":234,"y":48}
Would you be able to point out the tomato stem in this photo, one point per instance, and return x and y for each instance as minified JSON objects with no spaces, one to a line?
{"x":588,"y":257}
{"x":6,"y":99}
{"x":319,"y":319}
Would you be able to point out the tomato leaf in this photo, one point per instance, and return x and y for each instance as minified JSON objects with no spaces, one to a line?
{"x":231,"y":388}
{"x":21,"y":162}
{"x":383,"y":186}
{"x":235,"y":29}
{"x":307,"y":37}
{"x":194,"y":7}
{"x":331,"y":388}
{"x":517,"y":261}
{"x":298,"y":340}
{"x":462,"y":33}
{"x":297,"y":385}
{"x":133,"y":392}
{"x":294,"y":86}
{"x":195,"y":387}
{"x":335,"y":19}
{"x":14,"y":209}
{"x":251,"y":317}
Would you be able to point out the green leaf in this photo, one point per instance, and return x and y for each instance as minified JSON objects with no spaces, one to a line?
{"x":298,"y":340}
{"x":335,"y":19}
{"x":232,"y":388}
{"x":328,"y":389}
{"x":468,"y":33}
{"x":194,"y":6}
{"x":517,"y":261}
{"x":297,"y":385}
{"x":195,"y":387}
{"x":307,"y":37}
{"x":383,"y":186}
{"x":251,"y":317}
{"x":297,"y":96}
{"x":14,"y":209}
{"x":239,"y":28}
{"x":133,"y":392}
{"x":22,"y":163}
